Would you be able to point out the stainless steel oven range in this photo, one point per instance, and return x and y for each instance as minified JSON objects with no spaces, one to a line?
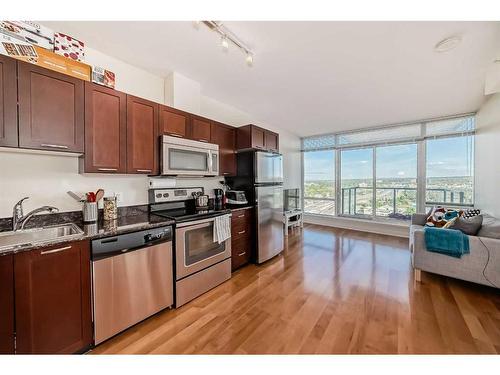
{"x":200,"y":262}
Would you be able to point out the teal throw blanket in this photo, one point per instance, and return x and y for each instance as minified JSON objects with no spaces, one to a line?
{"x":446,"y":241}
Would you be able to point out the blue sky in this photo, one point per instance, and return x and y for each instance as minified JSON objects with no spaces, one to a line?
{"x":446,"y":157}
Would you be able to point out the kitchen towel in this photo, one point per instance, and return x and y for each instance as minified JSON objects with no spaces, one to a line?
{"x":222,"y":228}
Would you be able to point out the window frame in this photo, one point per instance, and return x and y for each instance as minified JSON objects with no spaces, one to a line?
{"x":421,"y":179}
{"x":303,"y":179}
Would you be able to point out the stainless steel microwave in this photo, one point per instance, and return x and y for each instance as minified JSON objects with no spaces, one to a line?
{"x":184,"y":157}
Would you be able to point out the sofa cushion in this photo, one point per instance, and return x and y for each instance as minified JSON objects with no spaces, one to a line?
{"x":468,"y":226}
{"x":490,"y":227}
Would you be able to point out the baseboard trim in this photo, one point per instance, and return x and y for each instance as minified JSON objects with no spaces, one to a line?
{"x":389,"y":229}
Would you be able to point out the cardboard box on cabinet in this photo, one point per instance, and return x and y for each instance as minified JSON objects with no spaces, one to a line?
{"x":19,"y":49}
{"x":69,"y":47}
{"x":29,"y":32}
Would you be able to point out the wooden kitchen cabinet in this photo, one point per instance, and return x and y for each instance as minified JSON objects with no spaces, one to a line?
{"x":105,"y":130}
{"x":51,"y":109}
{"x":225,"y":136}
{"x":8,"y":102}
{"x":53,"y":300}
{"x":271,"y":141}
{"x":242,"y":236}
{"x":254,"y":137}
{"x":174,"y":122}
{"x":142,"y":136}
{"x":200,"y":129}
{"x":7,"y":304}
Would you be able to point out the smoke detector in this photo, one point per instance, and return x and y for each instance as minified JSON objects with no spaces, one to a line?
{"x":447,"y":44}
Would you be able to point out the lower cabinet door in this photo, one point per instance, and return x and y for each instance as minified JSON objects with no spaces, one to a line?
{"x":6,"y":304}
{"x":240,"y":252}
{"x":52,"y":299}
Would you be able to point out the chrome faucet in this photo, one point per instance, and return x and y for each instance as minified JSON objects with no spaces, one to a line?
{"x":19,"y":220}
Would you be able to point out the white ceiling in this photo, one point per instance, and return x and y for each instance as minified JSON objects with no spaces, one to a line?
{"x":314,"y":77}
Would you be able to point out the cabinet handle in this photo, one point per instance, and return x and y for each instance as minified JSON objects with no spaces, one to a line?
{"x":144,"y":170}
{"x":107,"y":169}
{"x":243,"y":215}
{"x":241,"y":254}
{"x":55,"y":250}
{"x":202,"y":140}
{"x":54,"y":146}
{"x":176,"y":135}
{"x":225,"y":173}
{"x":241,"y":232}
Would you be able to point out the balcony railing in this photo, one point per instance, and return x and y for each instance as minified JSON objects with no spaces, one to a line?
{"x":352,"y":196}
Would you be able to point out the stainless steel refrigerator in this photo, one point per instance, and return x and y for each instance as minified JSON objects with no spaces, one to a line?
{"x":260,"y":175}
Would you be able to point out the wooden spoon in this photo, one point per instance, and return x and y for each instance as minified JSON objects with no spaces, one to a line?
{"x":99,"y":194}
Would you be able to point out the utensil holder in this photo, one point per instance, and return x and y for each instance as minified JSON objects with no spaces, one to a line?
{"x":89,"y":212}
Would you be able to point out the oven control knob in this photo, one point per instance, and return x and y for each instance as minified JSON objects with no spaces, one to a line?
{"x":158,"y":195}
{"x":165,"y":195}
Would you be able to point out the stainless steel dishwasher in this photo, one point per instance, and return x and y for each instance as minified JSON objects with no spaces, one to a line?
{"x":132,"y":279}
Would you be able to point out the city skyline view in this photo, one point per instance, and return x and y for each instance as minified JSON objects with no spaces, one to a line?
{"x":392,"y":161}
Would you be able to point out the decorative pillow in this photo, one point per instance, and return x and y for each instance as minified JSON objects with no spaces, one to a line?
{"x":440,"y":216}
{"x":468,"y":226}
{"x":472,"y":212}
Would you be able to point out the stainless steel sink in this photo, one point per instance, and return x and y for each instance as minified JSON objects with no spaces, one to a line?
{"x":38,"y":236}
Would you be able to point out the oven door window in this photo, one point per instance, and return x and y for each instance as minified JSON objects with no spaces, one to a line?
{"x":199,"y":244}
{"x":187,"y":160}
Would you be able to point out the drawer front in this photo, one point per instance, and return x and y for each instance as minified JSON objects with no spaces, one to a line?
{"x":241,"y":252}
{"x":242,"y":215}
{"x":241,"y":223}
{"x":240,"y":230}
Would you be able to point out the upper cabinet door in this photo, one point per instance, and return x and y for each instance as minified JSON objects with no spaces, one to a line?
{"x":200,"y":129}
{"x":8,"y":102}
{"x":174,"y":122}
{"x":271,"y":141}
{"x":258,"y":139}
{"x":105,"y":129}
{"x":225,"y":137}
{"x":142,"y":136}
{"x":51,"y":109}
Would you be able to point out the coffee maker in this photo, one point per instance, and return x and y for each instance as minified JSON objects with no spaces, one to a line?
{"x":219,"y":199}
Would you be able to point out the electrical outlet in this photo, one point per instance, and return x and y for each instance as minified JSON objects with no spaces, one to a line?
{"x":119,"y":197}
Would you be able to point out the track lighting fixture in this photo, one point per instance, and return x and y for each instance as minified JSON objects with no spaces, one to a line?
{"x":228,"y":36}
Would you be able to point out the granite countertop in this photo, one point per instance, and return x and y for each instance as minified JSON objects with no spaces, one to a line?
{"x":130,"y":219}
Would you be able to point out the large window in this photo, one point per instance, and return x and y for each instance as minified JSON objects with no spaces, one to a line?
{"x":357,"y":181}
{"x":391,"y":171}
{"x":396,"y":180}
{"x":449,"y":172}
{"x":319,"y":182}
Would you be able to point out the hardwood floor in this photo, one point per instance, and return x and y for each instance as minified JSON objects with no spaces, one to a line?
{"x":332,"y":291}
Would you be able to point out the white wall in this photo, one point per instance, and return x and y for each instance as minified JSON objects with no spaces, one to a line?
{"x":46,"y":178}
{"x":129,"y":79}
{"x":182,"y":92}
{"x":289,"y":143}
{"x":487,"y":156}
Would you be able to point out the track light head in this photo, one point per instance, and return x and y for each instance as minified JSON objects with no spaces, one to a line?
{"x":224,"y":43}
{"x":249,"y":59}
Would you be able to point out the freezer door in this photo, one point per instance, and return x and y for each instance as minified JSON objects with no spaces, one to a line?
{"x":278,"y":168}
{"x":269,"y":168}
{"x":264,"y":164}
{"x":269,"y":222}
